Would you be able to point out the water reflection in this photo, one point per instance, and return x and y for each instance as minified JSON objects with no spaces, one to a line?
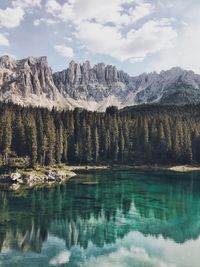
{"x":79,"y":221}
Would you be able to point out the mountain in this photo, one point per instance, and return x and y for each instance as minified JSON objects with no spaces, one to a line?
{"x":105,"y":85}
{"x":30,"y":81}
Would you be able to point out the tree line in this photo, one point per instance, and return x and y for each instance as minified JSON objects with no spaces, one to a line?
{"x":135,"y":135}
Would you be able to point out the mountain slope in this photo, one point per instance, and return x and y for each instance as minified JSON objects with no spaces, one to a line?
{"x":30,"y":81}
{"x":105,"y":86}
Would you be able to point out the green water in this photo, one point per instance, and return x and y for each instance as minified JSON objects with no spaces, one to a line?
{"x":123,"y":219}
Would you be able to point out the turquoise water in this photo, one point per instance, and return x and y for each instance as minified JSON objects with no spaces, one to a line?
{"x":122,"y":219}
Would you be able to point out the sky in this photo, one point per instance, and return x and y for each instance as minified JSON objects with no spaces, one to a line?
{"x":134,"y":35}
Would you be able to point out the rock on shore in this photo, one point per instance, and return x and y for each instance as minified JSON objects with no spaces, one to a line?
{"x":33,"y":178}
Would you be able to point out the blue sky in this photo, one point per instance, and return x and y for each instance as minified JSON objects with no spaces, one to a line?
{"x":135,"y":35}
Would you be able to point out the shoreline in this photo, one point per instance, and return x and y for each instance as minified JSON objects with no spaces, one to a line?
{"x":41,"y":176}
{"x":45,"y":176}
{"x":88,"y":167}
{"x":174,"y":168}
{"x":185,"y":168}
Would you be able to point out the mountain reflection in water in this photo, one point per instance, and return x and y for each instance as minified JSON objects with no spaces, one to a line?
{"x":124,"y":218}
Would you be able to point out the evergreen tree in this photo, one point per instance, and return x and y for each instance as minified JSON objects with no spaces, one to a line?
{"x":121,"y":146}
{"x":18,"y":138}
{"x":96,"y":145}
{"x":88,"y":145}
{"x":7,"y":135}
{"x":135,"y":135}
{"x":32,"y":143}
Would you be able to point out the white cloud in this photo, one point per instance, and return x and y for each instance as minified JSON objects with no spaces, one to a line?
{"x":3,"y":40}
{"x":140,"y":11}
{"x":53,"y":6}
{"x":103,"y":27}
{"x":61,"y":258}
{"x":26,"y":3}
{"x":37,"y":22}
{"x":153,"y":36}
{"x":11,"y":17}
{"x":100,"y":11}
{"x":185,"y":52}
{"x":64,"y":51}
{"x":69,"y":39}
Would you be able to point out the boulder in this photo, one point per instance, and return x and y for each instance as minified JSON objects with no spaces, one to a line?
{"x":15,"y":176}
{"x":32,"y":179}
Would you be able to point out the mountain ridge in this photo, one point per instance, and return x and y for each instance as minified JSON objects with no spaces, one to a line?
{"x":31,"y":81}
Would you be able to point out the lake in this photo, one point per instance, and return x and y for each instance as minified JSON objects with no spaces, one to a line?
{"x":103,"y":219}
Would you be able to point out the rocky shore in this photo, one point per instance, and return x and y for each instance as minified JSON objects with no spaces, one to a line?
{"x":28,"y":178}
{"x":32,"y":178}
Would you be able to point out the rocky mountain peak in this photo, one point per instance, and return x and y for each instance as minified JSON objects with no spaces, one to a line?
{"x":7,"y":62}
{"x":30,"y":81}
{"x":27,"y":81}
{"x":86,"y":82}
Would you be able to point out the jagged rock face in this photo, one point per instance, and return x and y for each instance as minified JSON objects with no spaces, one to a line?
{"x":156,"y":87}
{"x":108,"y":86}
{"x":27,"y":76}
{"x":83,"y":82}
{"x":30,"y":82}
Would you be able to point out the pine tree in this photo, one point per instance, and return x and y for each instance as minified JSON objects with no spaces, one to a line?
{"x":18,"y":139}
{"x":51,"y":137}
{"x":121,"y":146}
{"x":31,"y":139}
{"x":7,"y":135}
{"x":65,"y":147}
{"x":41,"y":139}
{"x":145,"y":133}
{"x":88,"y":145}
{"x":96,"y":145}
{"x":59,"y":144}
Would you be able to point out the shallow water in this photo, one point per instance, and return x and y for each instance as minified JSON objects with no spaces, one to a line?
{"x":104,"y":218}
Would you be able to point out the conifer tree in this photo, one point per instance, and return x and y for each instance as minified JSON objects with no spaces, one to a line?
{"x":152,"y":134}
{"x":7,"y":135}
{"x":121,"y":146}
{"x":88,"y":145}
{"x":18,"y":138}
{"x":96,"y":145}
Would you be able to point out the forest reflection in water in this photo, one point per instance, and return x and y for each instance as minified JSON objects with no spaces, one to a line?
{"x":124,"y":217}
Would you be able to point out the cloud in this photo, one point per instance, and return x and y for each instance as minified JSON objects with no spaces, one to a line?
{"x":53,"y":6}
{"x":140,"y":11}
{"x":61,"y":258}
{"x":3,"y":40}
{"x":26,"y":3}
{"x":69,"y":39}
{"x":37,"y":22}
{"x":103,"y":27}
{"x":64,"y":51}
{"x":11,"y":17}
{"x":153,"y":36}
{"x":185,"y":52}
{"x":100,"y":11}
